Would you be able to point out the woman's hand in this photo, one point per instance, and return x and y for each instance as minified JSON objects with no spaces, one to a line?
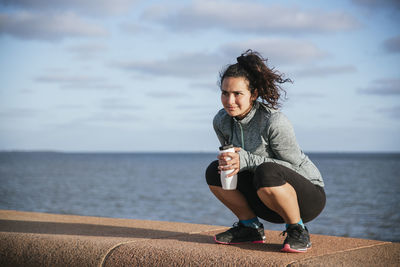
{"x":229,"y":161}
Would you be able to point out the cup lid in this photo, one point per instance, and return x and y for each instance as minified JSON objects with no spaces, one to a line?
{"x":225,"y":147}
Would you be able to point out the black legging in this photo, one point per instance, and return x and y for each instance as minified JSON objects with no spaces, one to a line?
{"x":311,"y":198}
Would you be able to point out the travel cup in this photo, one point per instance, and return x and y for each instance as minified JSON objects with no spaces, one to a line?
{"x":228,"y":183}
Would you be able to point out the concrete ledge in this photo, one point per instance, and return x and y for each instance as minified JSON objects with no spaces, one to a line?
{"x":39,"y":239}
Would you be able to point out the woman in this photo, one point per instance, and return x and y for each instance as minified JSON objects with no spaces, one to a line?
{"x":276,"y":180}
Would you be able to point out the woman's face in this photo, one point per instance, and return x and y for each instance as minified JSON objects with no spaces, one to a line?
{"x":236,"y":97}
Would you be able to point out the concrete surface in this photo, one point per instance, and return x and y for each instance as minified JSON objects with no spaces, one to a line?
{"x":40,"y":239}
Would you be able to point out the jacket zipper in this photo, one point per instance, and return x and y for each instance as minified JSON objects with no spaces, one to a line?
{"x":241,"y":134}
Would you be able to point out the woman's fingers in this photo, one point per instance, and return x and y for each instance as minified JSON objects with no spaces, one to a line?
{"x":229,"y":161}
{"x":236,"y":171}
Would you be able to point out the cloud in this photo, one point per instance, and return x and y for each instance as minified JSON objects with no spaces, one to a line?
{"x":169,"y":94}
{"x":203,"y":85}
{"x":17,"y":113}
{"x":248,"y":17}
{"x":68,"y":79}
{"x":109,"y":117}
{"x":78,"y":82}
{"x":189,"y":65}
{"x":378,"y":4}
{"x":70,"y":107}
{"x":135,"y":28}
{"x":306,"y":95}
{"x":201,"y":64}
{"x":119,"y":104}
{"x":200,"y":108}
{"x":87,"y":51}
{"x":326,"y":71}
{"x":46,"y":26}
{"x":389,"y":9}
{"x":383,"y":87}
{"x":392,"y":45}
{"x":392,"y":112}
{"x":279,"y":51}
{"x":93,"y":7}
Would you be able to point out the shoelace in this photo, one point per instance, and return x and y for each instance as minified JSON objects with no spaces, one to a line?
{"x":235,"y":227}
{"x":235,"y":230}
{"x":236,"y":224}
{"x":292,"y":232}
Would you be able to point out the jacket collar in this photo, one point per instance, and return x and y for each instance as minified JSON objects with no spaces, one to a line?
{"x":250,"y":115}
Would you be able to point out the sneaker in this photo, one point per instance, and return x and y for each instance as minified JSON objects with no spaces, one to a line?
{"x":297,"y":239}
{"x":240,"y":234}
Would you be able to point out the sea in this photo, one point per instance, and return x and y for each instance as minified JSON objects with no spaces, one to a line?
{"x":363,"y":189}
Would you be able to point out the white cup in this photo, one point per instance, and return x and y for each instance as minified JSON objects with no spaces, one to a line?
{"x":228,"y":183}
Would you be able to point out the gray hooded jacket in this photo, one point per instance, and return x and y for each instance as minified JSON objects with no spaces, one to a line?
{"x":265,"y":135}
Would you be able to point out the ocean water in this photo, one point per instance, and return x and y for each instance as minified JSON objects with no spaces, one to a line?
{"x":363,"y":190}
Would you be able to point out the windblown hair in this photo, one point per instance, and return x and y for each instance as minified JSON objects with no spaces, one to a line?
{"x":266,"y":81}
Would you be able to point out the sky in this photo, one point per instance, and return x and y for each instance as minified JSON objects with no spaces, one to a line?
{"x":141,"y":76}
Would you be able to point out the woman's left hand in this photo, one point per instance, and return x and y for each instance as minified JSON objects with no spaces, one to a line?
{"x":229,"y":161}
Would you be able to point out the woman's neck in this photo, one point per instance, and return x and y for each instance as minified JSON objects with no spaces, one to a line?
{"x":242,"y":116}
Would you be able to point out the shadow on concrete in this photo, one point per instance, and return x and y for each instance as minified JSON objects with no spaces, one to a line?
{"x":262,"y":247}
{"x":108,"y":231}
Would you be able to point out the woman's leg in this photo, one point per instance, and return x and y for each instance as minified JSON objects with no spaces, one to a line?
{"x":249,"y":229}
{"x":287,"y":193}
{"x":291,"y":196}
{"x":232,"y":199}
{"x":283,"y":200}
{"x":235,"y":201}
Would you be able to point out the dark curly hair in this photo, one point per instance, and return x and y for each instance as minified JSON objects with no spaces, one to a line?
{"x":266,"y":81}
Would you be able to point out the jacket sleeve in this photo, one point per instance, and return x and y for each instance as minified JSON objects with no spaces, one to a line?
{"x":281,"y":140}
{"x":216,"y":123}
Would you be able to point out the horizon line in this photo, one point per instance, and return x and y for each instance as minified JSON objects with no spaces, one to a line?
{"x":178,"y":152}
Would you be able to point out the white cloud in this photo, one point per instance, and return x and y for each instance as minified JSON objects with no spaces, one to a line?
{"x":135,"y":28}
{"x":279,"y":51}
{"x":325,"y":71}
{"x":169,"y":94}
{"x":60,"y":78}
{"x":120,"y":104}
{"x":18,"y":113}
{"x":249,"y":17}
{"x":200,"y":64}
{"x":78,"y":82}
{"x":46,"y":26}
{"x":307,"y":95}
{"x":117,"y":117}
{"x":383,"y":87}
{"x":190,"y":65}
{"x":87,"y":51}
{"x":95,"y":7}
{"x":204,"y":85}
{"x":70,"y":107}
{"x":392,"y":112}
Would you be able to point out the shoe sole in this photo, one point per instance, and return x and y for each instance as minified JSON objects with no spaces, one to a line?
{"x":237,"y":243}
{"x":287,"y":248}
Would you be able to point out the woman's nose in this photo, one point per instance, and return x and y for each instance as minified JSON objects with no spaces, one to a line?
{"x":231,"y":99}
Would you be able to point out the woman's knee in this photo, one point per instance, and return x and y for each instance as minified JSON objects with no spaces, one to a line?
{"x":267,"y":191}
{"x":277,"y":191}
{"x":212,"y":175}
{"x":268,"y":174}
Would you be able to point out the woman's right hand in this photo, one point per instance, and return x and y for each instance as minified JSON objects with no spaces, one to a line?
{"x":229,"y":161}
